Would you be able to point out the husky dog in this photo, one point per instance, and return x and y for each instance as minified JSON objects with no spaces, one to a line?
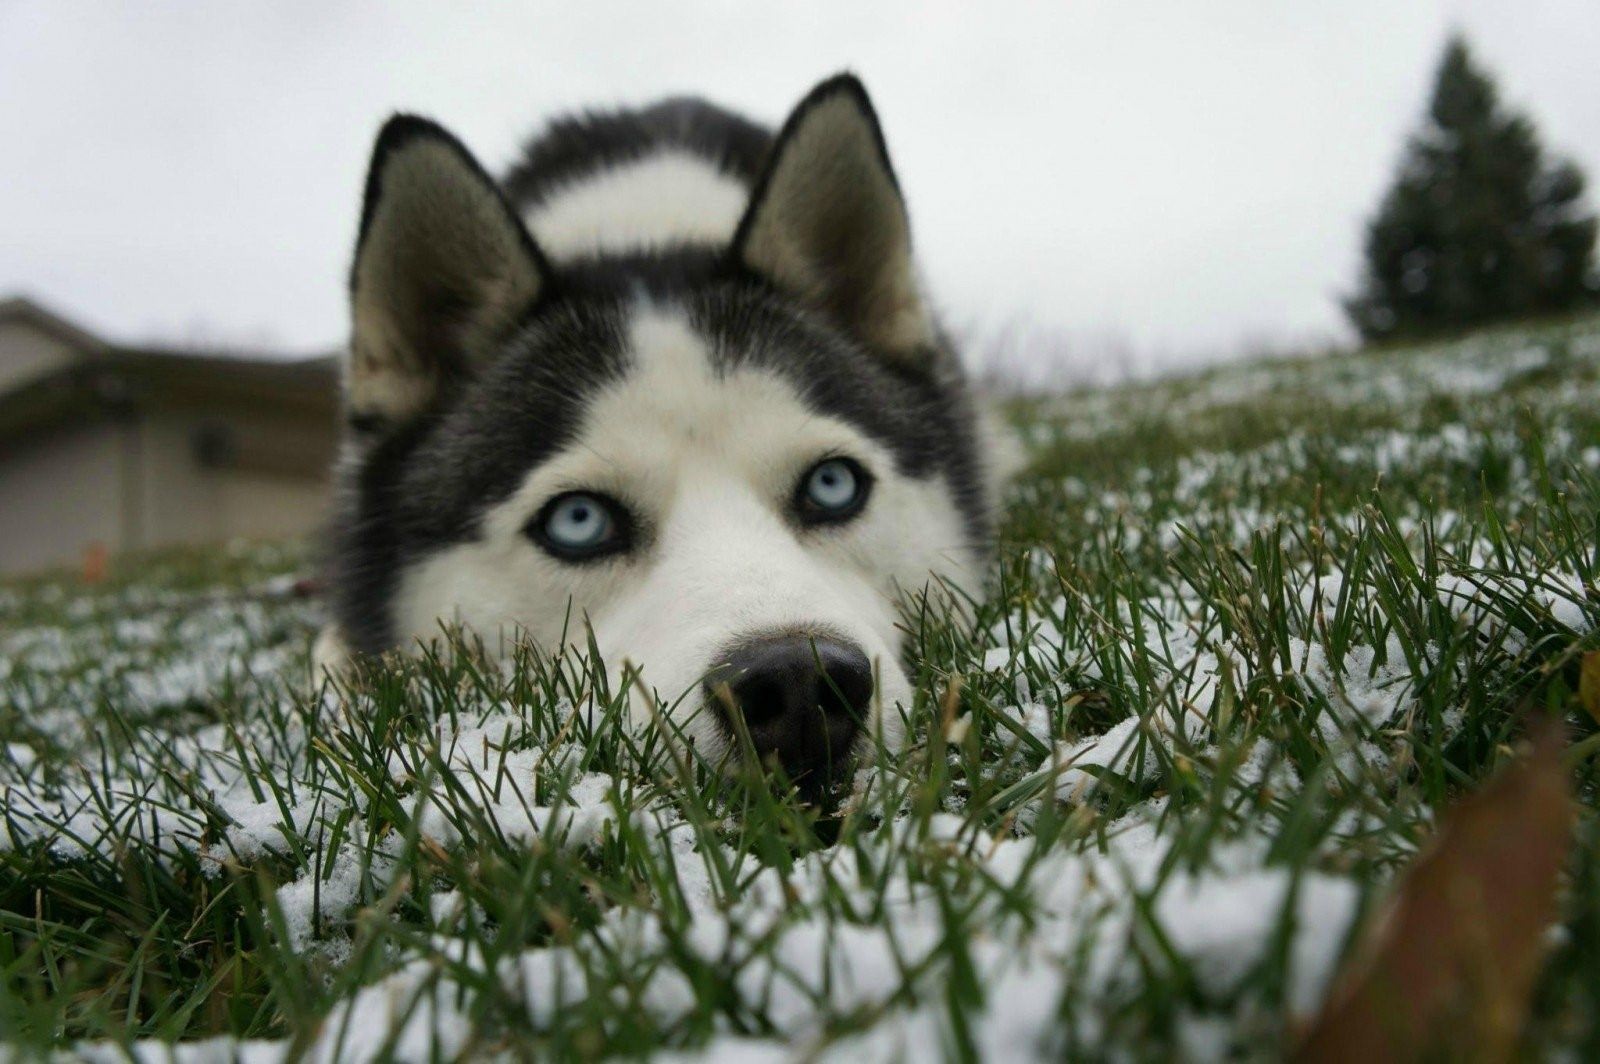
{"x":672,"y":383}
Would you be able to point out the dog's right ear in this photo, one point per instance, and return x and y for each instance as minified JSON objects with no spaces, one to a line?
{"x":442,"y":267}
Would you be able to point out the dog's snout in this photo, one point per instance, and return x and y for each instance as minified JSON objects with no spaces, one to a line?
{"x":802,"y":698}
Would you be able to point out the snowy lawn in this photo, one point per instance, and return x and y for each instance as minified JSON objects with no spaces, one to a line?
{"x":1253,"y":631}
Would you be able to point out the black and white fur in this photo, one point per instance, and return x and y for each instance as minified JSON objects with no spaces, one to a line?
{"x":679,"y":310}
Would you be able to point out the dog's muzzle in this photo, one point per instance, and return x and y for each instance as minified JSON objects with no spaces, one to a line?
{"x":803,"y":700}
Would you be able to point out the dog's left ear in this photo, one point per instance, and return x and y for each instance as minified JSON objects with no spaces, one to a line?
{"x":827,"y":224}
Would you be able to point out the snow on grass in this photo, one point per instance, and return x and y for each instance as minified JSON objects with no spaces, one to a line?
{"x":1250,"y":633}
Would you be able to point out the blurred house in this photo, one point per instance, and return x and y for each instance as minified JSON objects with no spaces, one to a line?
{"x":111,"y":448}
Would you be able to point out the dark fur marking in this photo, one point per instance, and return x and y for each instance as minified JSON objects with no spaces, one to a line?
{"x":426,"y":486}
{"x":919,"y":412}
{"x":572,"y":148}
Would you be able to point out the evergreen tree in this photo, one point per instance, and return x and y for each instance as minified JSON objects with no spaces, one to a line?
{"x":1477,"y":227}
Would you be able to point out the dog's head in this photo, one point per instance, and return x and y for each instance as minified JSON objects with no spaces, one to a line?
{"x":727,"y":463}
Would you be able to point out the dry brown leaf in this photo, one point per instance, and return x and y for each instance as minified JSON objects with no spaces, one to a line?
{"x":1447,"y":965}
{"x":1589,"y":684}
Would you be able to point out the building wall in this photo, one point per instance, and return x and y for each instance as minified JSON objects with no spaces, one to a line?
{"x":253,"y":483}
{"x":163,"y":452}
{"x":60,"y":491}
{"x":266,"y":505}
{"x":167,"y":478}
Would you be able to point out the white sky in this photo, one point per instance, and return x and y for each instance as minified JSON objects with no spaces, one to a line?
{"x":1156,"y":182}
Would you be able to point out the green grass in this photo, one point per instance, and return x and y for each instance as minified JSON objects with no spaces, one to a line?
{"x":1251,"y":631}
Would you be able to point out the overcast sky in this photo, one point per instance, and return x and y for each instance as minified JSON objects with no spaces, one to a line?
{"x":1167,"y":181}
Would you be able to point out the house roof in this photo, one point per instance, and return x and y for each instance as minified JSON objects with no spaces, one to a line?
{"x":21,"y":308}
{"x":105,"y":379}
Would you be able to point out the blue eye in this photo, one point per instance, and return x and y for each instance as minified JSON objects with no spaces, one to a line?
{"x":834,"y":489}
{"x":580,"y":525}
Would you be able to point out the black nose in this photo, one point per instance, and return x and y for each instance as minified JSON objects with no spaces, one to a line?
{"x":802,"y":698}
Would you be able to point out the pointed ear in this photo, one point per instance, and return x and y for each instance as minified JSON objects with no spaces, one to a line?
{"x":443,"y":266}
{"x":827,"y":223}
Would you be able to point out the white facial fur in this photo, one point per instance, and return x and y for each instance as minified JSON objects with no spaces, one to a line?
{"x":664,"y":198}
{"x":709,"y":465}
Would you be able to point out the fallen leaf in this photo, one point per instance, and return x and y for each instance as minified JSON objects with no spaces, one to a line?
{"x":1589,"y":684}
{"x":96,"y":563}
{"x":1447,"y":965}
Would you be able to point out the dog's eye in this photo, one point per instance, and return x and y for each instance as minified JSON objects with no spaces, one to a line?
{"x":835,"y":489}
{"x":580,"y":525}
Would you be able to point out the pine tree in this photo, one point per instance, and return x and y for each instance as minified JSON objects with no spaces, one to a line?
{"x":1477,"y":227}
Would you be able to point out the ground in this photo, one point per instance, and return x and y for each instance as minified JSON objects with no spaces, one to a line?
{"x":1252,"y":632}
